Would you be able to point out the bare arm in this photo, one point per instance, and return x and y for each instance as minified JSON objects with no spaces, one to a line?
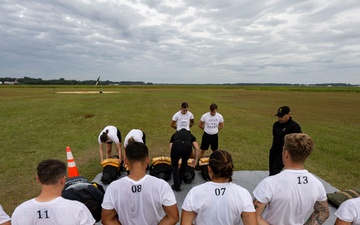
{"x":171,"y":215}
{"x":101,"y":153}
{"x":320,"y":214}
{"x":173,"y":124}
{"x":341,"y":222}
{"x":187,"y":217}
{"x":201,"y":125}
{"x":249,"y":218}
{"x":191,"y":122}
{"x":118,"y":147}
{"x":108,"y":217}
{"x":6,"y":223}
{"x":197,"y":153}
{"x":221,"y":125}
{"x":260,"y":207}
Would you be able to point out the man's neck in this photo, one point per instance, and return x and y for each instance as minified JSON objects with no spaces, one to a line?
{"x":48,"y":193}
{"x":294,"y":166}
{"x":137,"y":171}
{"x":219,"y":179}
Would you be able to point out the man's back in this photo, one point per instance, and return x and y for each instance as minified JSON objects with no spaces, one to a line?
{"x":58,"y":211}
{"x":289,"y":196}
{"x":139,"y":202}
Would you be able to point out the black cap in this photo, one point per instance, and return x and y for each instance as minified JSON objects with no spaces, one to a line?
{"x":282,"y":111}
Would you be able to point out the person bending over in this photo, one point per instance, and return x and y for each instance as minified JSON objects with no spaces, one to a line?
{"x":181,"y":145}
{"x":107,"y":136}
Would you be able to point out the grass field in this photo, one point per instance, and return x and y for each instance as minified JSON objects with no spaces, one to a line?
{"x":38,"y":123}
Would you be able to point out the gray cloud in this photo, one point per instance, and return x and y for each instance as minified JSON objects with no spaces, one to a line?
{"x":277,"y":41}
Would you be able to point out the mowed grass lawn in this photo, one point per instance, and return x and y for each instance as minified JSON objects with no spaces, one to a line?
{"x":38,"y":123}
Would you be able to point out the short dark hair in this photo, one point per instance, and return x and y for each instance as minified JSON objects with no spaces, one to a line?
{"x":184,"y":105}
{"x":50,"y":171}
{"x":136,"y":152}
{"x":221,"y":164}
{"x":104,"y":137}
{"x":299,"y":146}
{"x":213,"y":107}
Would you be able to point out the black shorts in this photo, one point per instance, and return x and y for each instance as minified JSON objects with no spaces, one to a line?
{"x":144,"y":138}
{"x":209,"y":140}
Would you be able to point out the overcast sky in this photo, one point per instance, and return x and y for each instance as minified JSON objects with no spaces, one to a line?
{"x":182,"y":41}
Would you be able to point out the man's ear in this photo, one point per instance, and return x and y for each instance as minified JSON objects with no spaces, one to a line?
{"x":37,"y":179}
{"x":126,"y":161}
{"x":210,"y":172}
{"x":63,"y":180}
{"x":286,"y":154}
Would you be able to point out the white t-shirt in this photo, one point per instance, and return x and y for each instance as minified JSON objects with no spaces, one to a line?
{"x":139,"y":202}
{"x":211,"y":123}
{"x":349,"y":211}
{"x":218,"y":203}
{"x":3,"y":216}
{"x":136,"y":134}
{"x":112,"y":134}
{"x":183,"y":120}
{"x":58,"y":211}
{"x":289,"y":195}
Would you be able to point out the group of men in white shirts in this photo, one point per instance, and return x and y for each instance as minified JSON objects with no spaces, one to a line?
{"x":139,"y":198}
{"x":211,"y":122}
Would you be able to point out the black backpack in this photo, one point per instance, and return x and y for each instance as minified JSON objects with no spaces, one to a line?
{"x":189,"y":174}
{"x":109,"y":174}
{"x":203,"y":166}
{"x":111,"y":170}
{"x":161,"y":168}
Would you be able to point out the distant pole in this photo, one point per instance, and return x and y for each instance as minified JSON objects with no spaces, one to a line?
{"x":98,"y":81}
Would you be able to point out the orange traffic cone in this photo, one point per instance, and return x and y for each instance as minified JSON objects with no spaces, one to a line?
{"x":72,"y":169}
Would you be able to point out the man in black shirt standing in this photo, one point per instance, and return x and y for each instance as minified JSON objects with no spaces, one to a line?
{"x":284,"y":125}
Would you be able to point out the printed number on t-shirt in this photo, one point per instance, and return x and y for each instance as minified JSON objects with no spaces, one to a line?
{"x":302,"y":180}
{"x":136,"y":188}
{"x":220,"y":191}
{"x":43,"y":215}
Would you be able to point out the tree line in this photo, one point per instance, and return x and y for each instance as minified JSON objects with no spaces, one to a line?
{"x":63,"y":81}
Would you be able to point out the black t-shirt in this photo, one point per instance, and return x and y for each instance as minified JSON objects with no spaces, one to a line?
{"x":182,"y":135}
{"x":282,"y":129}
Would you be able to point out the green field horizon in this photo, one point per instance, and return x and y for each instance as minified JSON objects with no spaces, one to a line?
{"x":38,"y":122}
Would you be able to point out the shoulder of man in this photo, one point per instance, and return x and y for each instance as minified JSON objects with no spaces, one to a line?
{"x":293,"y":124}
